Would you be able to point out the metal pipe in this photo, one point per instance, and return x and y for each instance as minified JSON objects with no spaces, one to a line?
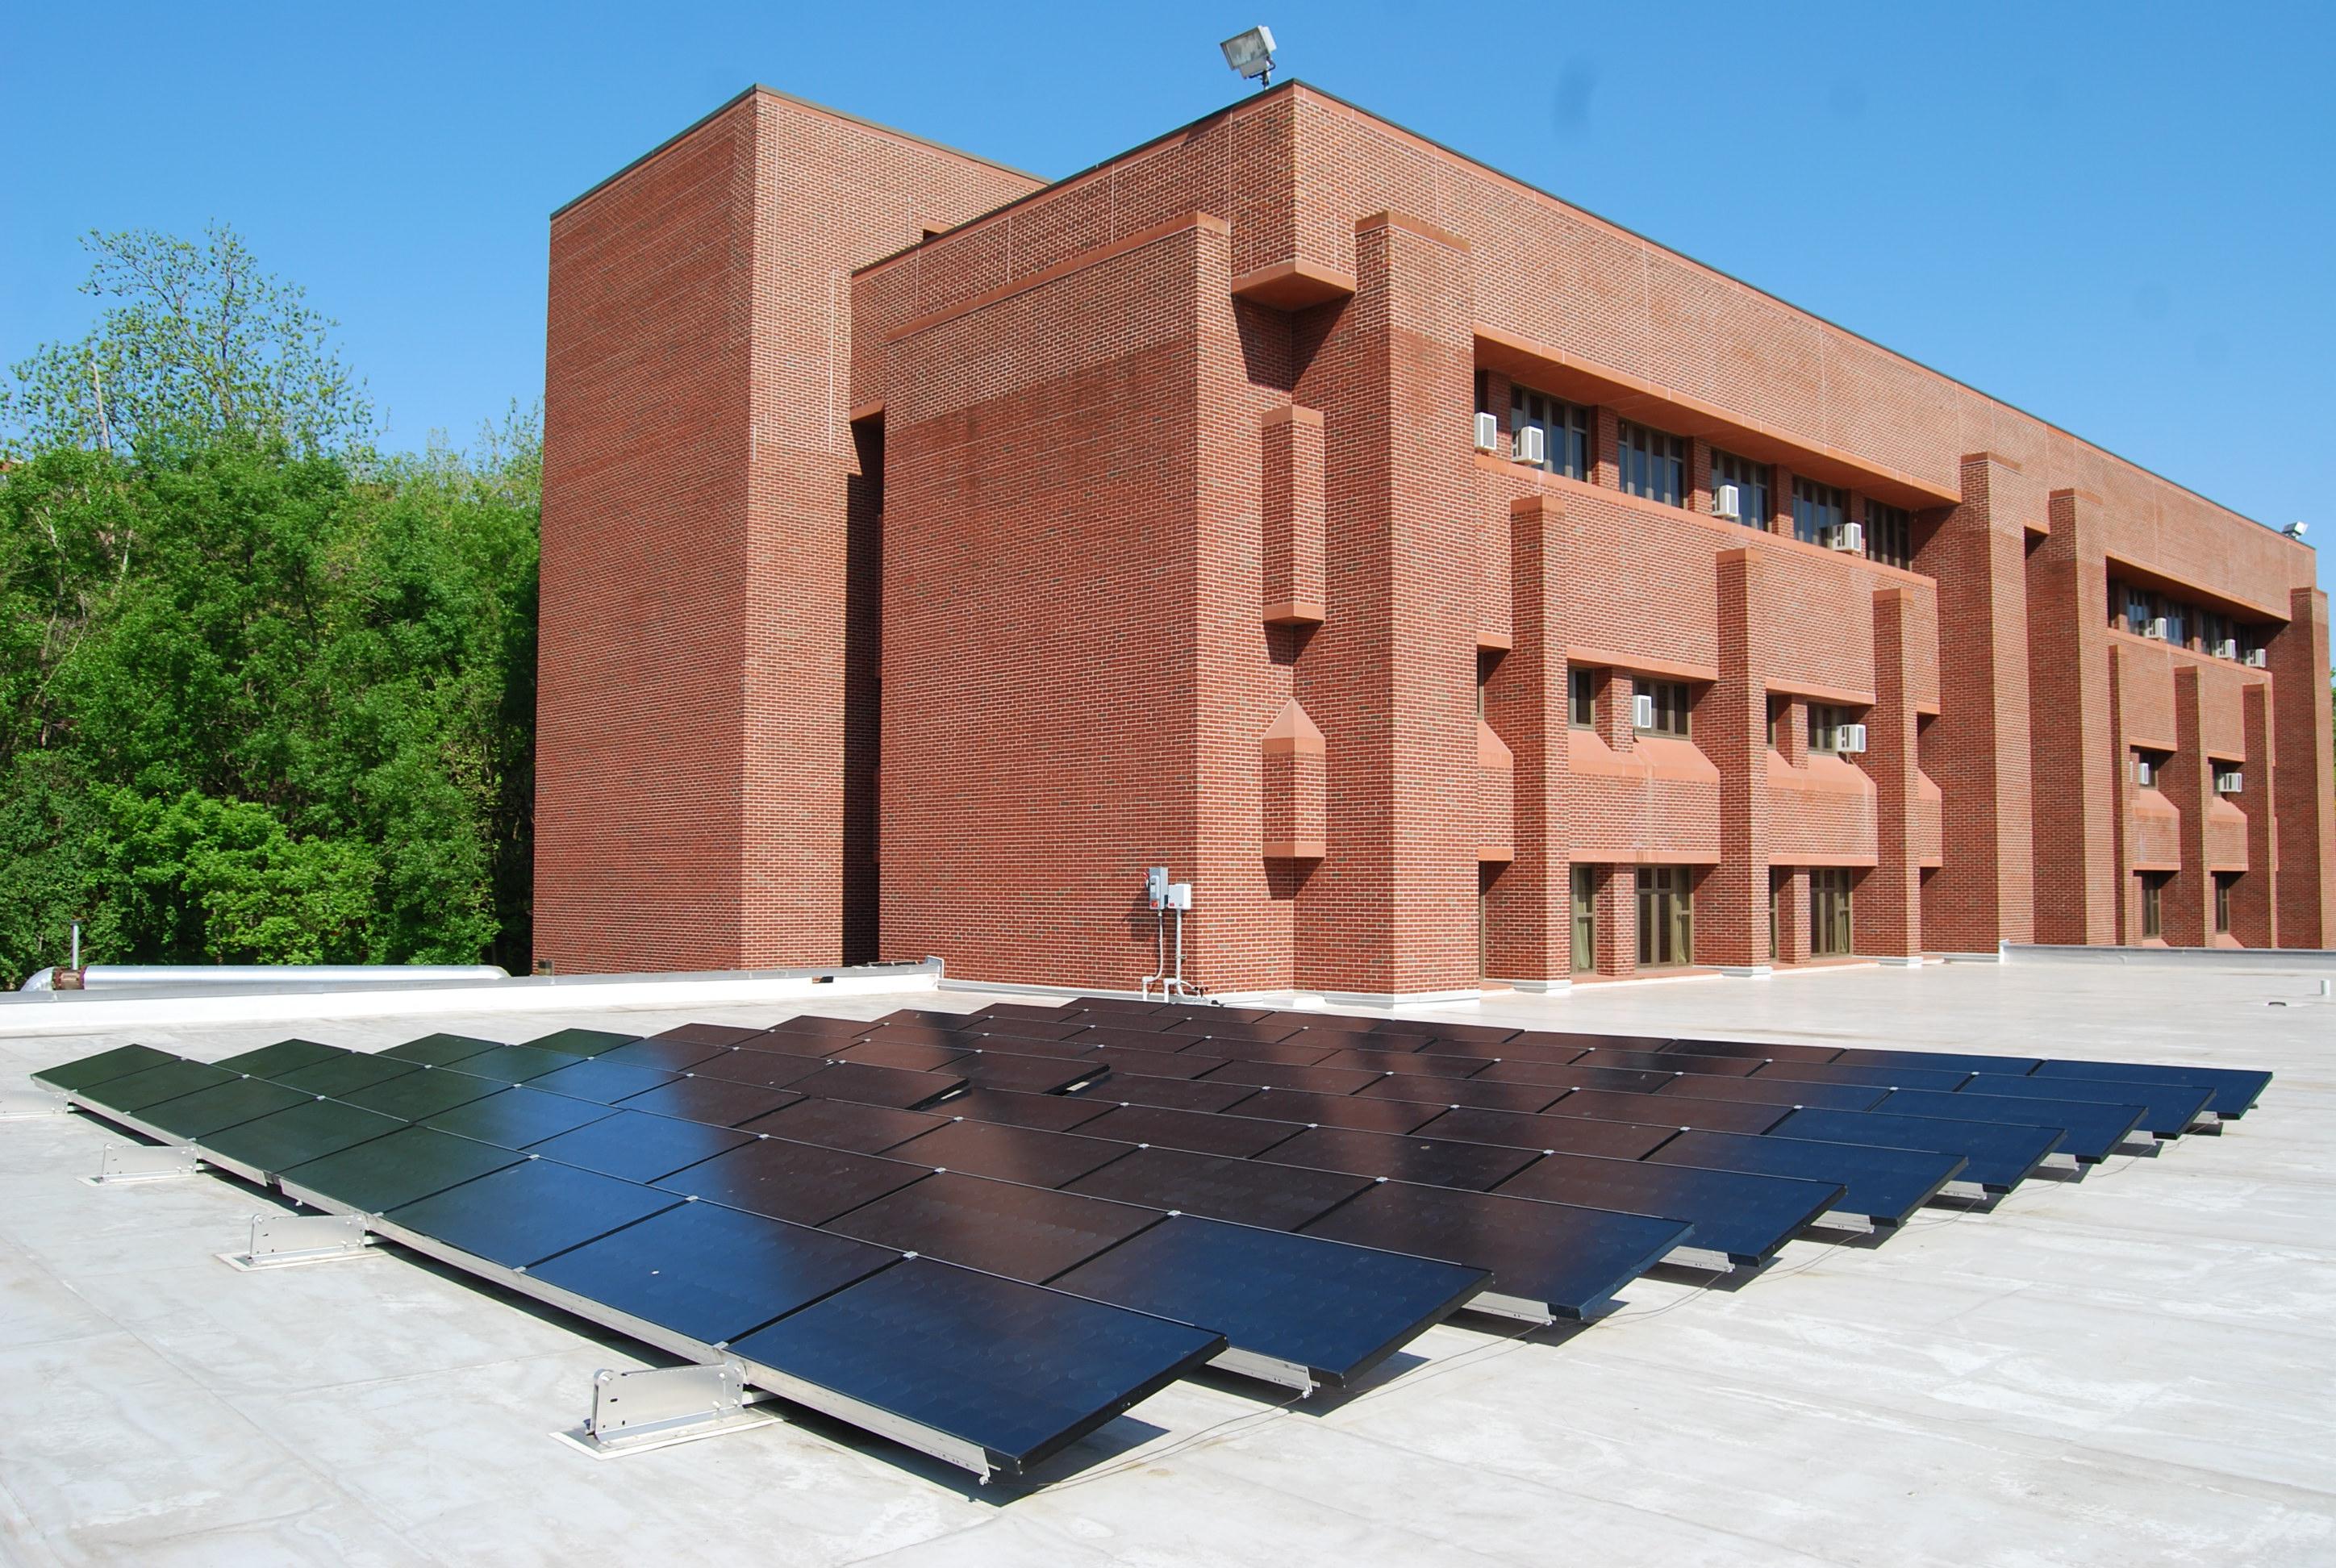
{"x":119,"y":976}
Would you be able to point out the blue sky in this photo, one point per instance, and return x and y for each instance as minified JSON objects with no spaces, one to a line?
{"x":2120,"y":218}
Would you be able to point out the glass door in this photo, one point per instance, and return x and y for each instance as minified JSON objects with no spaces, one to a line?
{"x":1666,"y":917}
{"x":1829,"y":918}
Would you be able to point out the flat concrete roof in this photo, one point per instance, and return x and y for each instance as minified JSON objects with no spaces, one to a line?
{"x":2138,"y":1368}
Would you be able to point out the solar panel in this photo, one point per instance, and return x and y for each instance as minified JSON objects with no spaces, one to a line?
{"x":1155,"y":1064}
{"x":716,"y":1100}
{"x":1576,"y":1040}
{"x":2000,"y":1157}
{"x":878,"y":1085}
{"x":1264,"y":1031}
{"x":1031,"y":1075}
{"x":710,"y":1273}
{"x":416,"y":1096}
{"x":133,"y":1092}
{"x":581,"y":1042}
{"x":879,"y":1052}
{"x":1297,"y":1054}
{"x":1759,"y":1050}
{"x":1028,"y":1154}
{"x":1548,"y":1259}
{"x":514,"y":1118}
{"x":1280,"y":1075}
{"x":1415,"y":1063}
{"x":2235,"y":1089}
{"x":1668,"y":1062}
{"x":846,"y":1125}
{"x":666,"y":1054}
{"x":86,"y":1072}
{"x":283,"y":1056}
{"x":1747,"y":1217}
{"x":345,"y":1074}
{"x":597,"y":1078}
{"x":1018,"y":1108}
{"x":206,"y":1111}
{"x":722,"y":1035}
{"x":2168,"y":1109}
{"x":269,"y":1146}
{"x":523,"y":1213}
{"x":1003,"y":1228}
{"x":1935,"y":1061}
{"x":1361,"y":1113}
{"x":1523,"y":1098}
{"x":1566,"y":1135}
{"x":1068,"y":1050}
{"x":1328,"y":1308}
{"x":763,"y":1069}
{"x":374,"y":1175}
{"x":1178,"y":1094}
{"x":1027,"y":1029}
{"x":1012,"y":1372}
{"x":1237,"y":1137}
{"x":1879,"y":1078}
{"x":1620,"y":1080}
{"x":1030,"y":1012}
{"x":1883,"y":1185}
{"x":439,"y":1050}
{"x":1281,"y":1198}
{"x":516,"y":1064}
{"x":1775,"y":1092}
{"x":639,"y":1147}
{"x":1682,"y":1109}
{"x":1437,"y":1162}
{"x":789,"y":1181}
{"x":2091,"y":1131}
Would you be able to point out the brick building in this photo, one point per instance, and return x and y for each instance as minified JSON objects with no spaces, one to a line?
{"x":928,"y":548}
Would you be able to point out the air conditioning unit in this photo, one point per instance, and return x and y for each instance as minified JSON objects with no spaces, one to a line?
{"x":2230,"y":783}
{"x":2258,"y":658}
{"x":2145,"y":772}
{"x":1488,"y":433}
{"x":1849,"y":737}
{"x":2227,"y":648}
{"x":2156,"y":628}
{"x":1533,"y":444}
{"x":1847,"y":536}
{"x":1725,"y":504}
{"x":1643,"y":711}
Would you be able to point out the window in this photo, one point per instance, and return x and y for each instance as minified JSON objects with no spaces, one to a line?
{"x":1889,"y":534}
{"x":1753,"y":506}
{"x":2229,"y":780}
{"x":1666,"y":917}
{"x":1779,"y":878}
{"x":1825,"y":726}
{"x":1581,"y":698}
{"x":1817,"y":510}
{"x":2222,"y":880}
{"x":1564,"y":427}
{"x":2152,"y":888}
{"x":1670,"y":706}
{"x":1829,"y":923}
{"x":2146,"y":765}
{"x":1585,"y":919}
{"x":1653,"y":464}
{"x":1778,"y":708}
{"x":2136,"y":609}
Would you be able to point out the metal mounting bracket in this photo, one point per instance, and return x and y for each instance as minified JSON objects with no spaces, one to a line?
{"x":17,"y":1104}
{"x":655,"y":1407}
{"x":282,"y":1240}
{"x":129,"y":1163}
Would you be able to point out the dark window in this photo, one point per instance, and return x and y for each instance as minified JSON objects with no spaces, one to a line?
{"x":2152,"y":888}
{"x":1484,"y":392}
{"x":1825,"y":726}
{"x":1585,"y":919}
{"x":2222,"y":880}
{"x":1778,"y":878}
{"x":2146,"y":765}
{"x":1829,"y":922}
{"x":1564,"y":427}
{"x":1753,"y":505}
{"x":1668,"y":701}
{"x":1581,"y":698}
{"x":1666,"y":917}
{"x":1778,"y":707}
{"x":1817,"y":510}
{"x":1889,"y":534}
{"x":1653,"y":464}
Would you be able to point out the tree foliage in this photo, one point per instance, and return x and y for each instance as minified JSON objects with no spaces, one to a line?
{"x":265,"y":694}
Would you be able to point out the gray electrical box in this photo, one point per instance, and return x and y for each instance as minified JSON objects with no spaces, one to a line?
{"x":1155,"y":886}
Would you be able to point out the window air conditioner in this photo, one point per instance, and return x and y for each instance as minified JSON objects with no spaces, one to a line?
{"x":1725,"y":504}
{"x":1488,"y":433}
{"x":1533,"y":444}
{"x":2156,"y":628}
{"x":2227,"y":648}
{"x":2258,"y":658}
{"x":1848,"y":535}
{"x":1643,"y":711}
{"x":1849,"y":737}
{"x":2230,"y":783}
{"x":2143,"y":773}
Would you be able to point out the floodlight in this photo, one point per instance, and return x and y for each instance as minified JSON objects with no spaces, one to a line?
{"x":1252,"y":54}
{"x":2293,"y":530}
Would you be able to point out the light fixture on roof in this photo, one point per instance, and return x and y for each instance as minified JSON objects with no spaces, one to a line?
{"x":2293,"y":530}
{"x":1252,"y":54}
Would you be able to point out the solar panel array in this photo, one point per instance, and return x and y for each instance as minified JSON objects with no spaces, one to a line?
{"x":986,"y":1234}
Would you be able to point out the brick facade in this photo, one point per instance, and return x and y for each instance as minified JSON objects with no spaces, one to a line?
{"x":927,"y":550}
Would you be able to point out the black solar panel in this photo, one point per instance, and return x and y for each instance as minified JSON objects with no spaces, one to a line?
{"x":207,"y":1111}
{"x":1437,"y":1162}
{"x":374,"y":1174}
{"x":1278,"y":1074}
{"x":1178,"y":1094}
{"x":668,"y":1053}
{"x":2235,"y":1089}
{"x":1278,"y":1197}
{"x":1238,"y":1137}
{"x":846,"y":1125}
{"x":2000,"y":1156}
{"x":133,"y":1092}
{"x":516,"y":1064}
{"x":879,"y":1052}
{"x":418,"y":1095}
{"x":1155,"y":1064}
{"x":84,"y":1072}
{"x":597,"y":1078}
{"x":1682,"y":1108}
{"x":1563,"y":1259}
{"x":1891,"y":1077}
{"x":1028,"y":1154}
{"x":274,"y":1144}
{"x":877,"y":1085}
{"x":1775,"y":1092}
{"x":1001,"y":1227}
{"x":1884,"y":1185}
{"x":1020,"y":1108}
{"x":523,"y":1213}
{"x":711,"y":1273}
{"x":1412,"y":1063}
{"x":1031,"y":1075}
{"x":1617,"y":1080}
{"x":347,"y":1073}
{"x":763,"y":1069}
{"x":283,"y":1056}
{"x":723,"y":1034}
{"x":440,"y":1050}
{"x":1759,"y":1050}
{"x":1522,"y":1098}
{"x":1936,"y":1061}
{"x":514,"y":1118}
{"x":581,"y":1042}
{"x":2090,"y":1131}
{"x":1747,"y":1217}
{"x":716,"y":1100}
{"x":1335,"y":1309}
{"x":2168,"y":1109}
{"x":1668,"y":1062}
{"x":789,"y":1181}
{"x":1360,"y":1113}
{"x":1016,"y":1371}
{"x":639,"y":1147}
{"x":1566,"y":1135}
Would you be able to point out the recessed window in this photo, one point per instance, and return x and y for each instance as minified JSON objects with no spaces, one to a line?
{"x":2229,"y":780}
{"x":1585,"y":919}
{"x":1817,"y":510}
{"x":1753,"y":505}
{"x":1778,"y":708}
{"x":2146,"y":767}
{"x":1581,"y":698}
{"x":2153,"y":901}
{"x":1829,"y":915}
{"x":1666,"y":917}
{"x":1652,"y":464}
{"x":2223,"y":881}
{"x":1564,"y":427}
{"x":1825,"y":725}
{"x":1889,"y":534}
{"x":1663,"y":707}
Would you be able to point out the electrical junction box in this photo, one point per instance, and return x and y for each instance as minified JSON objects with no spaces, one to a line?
{"x":1180,"y":895}
{"x":1155,"y":886}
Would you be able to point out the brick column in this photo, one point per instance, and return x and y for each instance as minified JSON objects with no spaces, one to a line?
{"x":2255,"y":897}
{"x":2070,"y":758}
{"x":1731,"y":722}
{"x":1793,"y":917}
{"x":2305,"y":803}
{"x":1889,"y":909}
{"x":1530,"y":907}
{"x":1617,"y":919}
{"x":2186,"y":907}
{"x":1780,"y":501}
{"x":1606,"y":444}
{"x":1982,"y":894}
